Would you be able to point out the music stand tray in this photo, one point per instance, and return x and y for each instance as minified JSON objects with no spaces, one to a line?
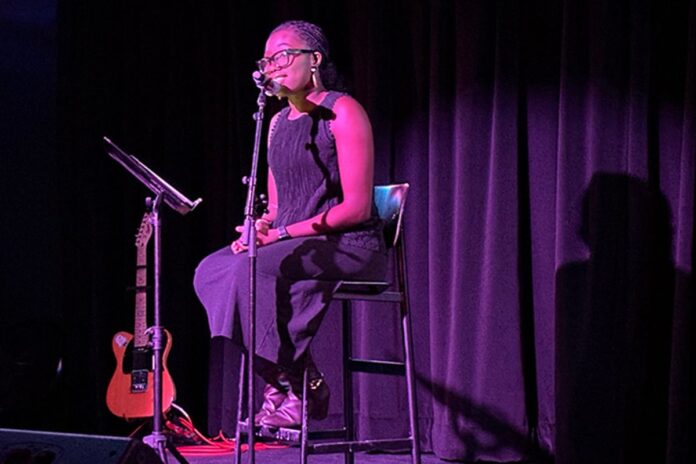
{"x":171,"y":196}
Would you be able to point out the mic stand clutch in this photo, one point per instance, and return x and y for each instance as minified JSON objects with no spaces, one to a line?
{"x":249,"y":238}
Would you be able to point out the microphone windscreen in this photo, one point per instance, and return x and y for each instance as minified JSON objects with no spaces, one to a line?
{"x":258,"y":78}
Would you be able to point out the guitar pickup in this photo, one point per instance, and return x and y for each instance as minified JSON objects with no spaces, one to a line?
{"x":139,"y":381}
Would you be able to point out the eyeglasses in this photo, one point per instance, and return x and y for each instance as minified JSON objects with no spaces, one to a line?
{"x":281,"y":59}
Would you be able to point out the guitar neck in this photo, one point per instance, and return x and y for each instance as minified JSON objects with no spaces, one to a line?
{"x":140,"y":338}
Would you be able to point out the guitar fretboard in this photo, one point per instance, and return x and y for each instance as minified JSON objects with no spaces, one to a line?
{"x":140,"y":337}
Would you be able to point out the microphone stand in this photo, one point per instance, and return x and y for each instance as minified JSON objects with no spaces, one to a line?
{"x":249,"y":236}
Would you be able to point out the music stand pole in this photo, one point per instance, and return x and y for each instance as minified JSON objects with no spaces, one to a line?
{"x":157,"y":440}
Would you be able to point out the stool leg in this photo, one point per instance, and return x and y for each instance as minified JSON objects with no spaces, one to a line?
{"x":240,"y":408}
{"x":407,"y":334}
{"x":410,"y":382}
{"x":349,"y":456}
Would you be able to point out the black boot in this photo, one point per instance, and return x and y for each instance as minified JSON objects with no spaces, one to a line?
{"x":318,"y":393}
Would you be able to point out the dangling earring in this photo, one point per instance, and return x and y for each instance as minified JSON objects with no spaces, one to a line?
{"x":313,"y":70}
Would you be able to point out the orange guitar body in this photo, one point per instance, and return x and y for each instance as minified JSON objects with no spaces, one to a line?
{"x":132,"y":398}
{"x":132,"y":387}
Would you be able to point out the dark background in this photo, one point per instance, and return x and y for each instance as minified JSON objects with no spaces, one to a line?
{"x":550,"y":228}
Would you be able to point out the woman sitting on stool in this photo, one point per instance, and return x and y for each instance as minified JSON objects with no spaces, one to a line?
{"x":321,"y":227}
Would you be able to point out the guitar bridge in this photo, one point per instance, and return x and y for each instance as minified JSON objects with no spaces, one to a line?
{"x":139,"y":380}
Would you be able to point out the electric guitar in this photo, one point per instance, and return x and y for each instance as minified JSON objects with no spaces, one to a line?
{"x":131,"y":389}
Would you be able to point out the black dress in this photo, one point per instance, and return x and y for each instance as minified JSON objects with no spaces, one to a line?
{"x":295,"y":277}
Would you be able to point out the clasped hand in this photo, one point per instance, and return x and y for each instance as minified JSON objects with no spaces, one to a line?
{"x":264,"y":236}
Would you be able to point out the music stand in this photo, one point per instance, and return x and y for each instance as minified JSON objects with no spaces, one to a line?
{"x":178,"y":202}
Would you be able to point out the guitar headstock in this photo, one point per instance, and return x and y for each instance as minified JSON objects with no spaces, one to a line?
{"x":144,"y":231}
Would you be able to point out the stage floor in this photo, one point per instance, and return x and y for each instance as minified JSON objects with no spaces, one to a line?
{"x":292,"y":455}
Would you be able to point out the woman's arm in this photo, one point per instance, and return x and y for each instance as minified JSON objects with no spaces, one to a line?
{"x":355,"y":151}
{"x":271,"y":191}
{"x":272,"y":199}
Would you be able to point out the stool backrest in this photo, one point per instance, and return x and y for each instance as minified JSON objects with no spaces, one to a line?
{"x":390,"y":201}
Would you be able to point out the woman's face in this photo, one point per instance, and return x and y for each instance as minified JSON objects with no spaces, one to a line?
{"x":296,"y":75}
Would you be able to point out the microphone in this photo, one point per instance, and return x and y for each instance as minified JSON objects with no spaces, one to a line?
{"x":269,"y":86}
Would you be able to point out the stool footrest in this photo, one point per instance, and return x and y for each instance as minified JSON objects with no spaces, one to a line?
{"x":394,"y":297}
{"x":373,"y":366}
{"x":394,"y":444}
{"x":370,"y":287}
{"x":289,"y":435}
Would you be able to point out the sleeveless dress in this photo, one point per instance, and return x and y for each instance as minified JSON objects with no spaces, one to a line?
{"x":295,"y":277}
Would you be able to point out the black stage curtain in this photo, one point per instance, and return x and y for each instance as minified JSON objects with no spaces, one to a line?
{"x":550,"y":230}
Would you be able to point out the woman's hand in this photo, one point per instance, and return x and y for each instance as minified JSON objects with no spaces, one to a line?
{"x":271,"y":236}
{"x":237,"y":246}
{"x":263,"y":237}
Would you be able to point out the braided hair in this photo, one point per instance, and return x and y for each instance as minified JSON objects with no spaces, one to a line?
{"x":315,"y":39}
